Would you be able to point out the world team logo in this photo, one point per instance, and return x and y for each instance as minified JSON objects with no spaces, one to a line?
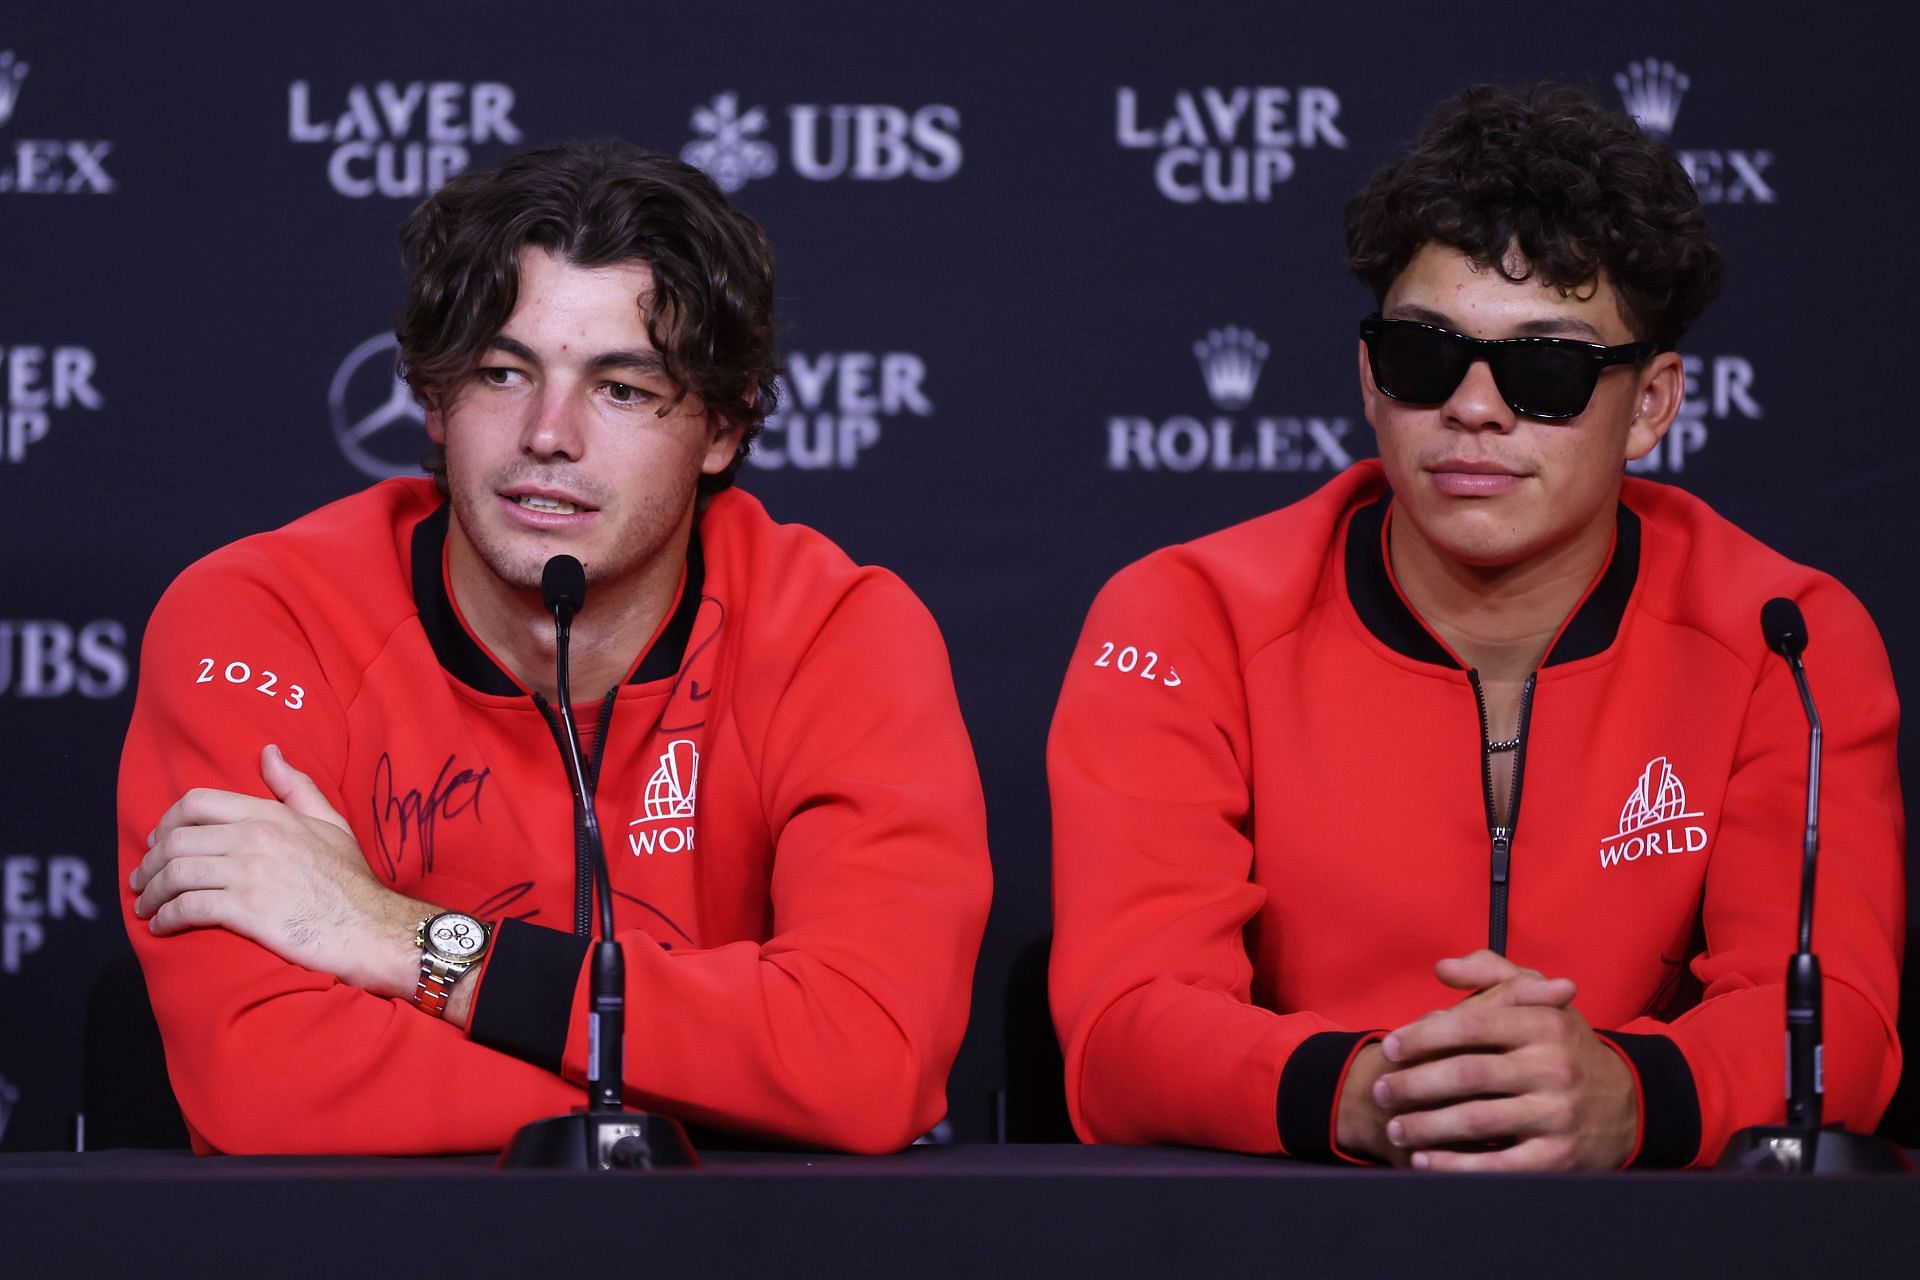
{"x":670,"y":798}
{"x":1231,"y":358}
{"x":378,"y":425}
{"x":1651,"y":91}
{"x":1655,"y":820}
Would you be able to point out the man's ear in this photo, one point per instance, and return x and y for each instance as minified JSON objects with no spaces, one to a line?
{"x":1657,"y":399}
{"x":723,"y":442}
{"x":437,"y":427}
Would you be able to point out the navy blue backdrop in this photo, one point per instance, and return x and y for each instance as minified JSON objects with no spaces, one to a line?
{"x":1012,"y":241}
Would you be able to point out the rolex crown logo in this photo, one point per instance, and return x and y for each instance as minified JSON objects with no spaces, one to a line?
{"x":1651,"y":92}
{"x":11,"y":74}
{"x":1230,"y":360}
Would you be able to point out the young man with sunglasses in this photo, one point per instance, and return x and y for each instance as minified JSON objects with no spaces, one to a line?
{"x":1451,"y":816}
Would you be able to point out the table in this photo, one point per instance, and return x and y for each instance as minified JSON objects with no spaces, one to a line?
{"x":1001,"y":1211}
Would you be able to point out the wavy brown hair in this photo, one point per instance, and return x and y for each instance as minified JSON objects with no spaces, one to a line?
{"x":1579,"y":190}
{"x":595,"y":204}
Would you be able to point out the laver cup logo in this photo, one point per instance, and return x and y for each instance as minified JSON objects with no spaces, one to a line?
{"x":377,"y":423}
{"x":669,"y":803}
{"x":834,"y":405}
{"x":39,"y":383}
{"x":1651,"y":91}
{"x":45,"y":166}
{"x":1230,"y":359}
{"x":1719,"y":392}
{"x":34,"y":893}
{"x":1234,"y":145}
{"x":400,"y":140}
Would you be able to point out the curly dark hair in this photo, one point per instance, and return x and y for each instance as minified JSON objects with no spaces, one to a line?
{"x":1579,"y":190}
{"x":594,"y":204}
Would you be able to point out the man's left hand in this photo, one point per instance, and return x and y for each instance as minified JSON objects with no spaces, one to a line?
{"x":287,"y":873}
{"x":1522,"y":1067}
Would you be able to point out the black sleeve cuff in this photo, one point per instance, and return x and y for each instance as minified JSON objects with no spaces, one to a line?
{"x":1309,"y":1086}
{"x":1669,"y":1102}
{"x":526,"y":1001}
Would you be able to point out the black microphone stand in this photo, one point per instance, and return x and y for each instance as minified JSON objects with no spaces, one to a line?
{"x":1802,"y":1145}
{"x":605,"y":1134}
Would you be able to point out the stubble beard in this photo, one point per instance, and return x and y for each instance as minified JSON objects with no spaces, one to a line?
{"x":520,"y":565}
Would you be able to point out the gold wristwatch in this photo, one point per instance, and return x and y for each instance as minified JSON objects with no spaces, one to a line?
{"x":450,"y":942}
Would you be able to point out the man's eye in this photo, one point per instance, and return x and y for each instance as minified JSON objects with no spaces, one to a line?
{"x":498,"y":377}
{"x":621,"y":393}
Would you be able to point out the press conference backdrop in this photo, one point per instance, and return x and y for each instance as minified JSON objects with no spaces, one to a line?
{"x":1060,"y":284}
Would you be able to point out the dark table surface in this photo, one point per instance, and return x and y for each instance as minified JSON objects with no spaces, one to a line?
{"x":1000,"y":1211}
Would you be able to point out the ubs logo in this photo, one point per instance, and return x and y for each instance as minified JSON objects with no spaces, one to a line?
{"x":868,"y":142}
{"x":377,"y":423}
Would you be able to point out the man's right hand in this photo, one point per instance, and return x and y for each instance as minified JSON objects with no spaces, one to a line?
{"x":1364,"y":1110}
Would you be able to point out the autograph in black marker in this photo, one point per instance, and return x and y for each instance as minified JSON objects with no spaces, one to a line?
{"x":411,"y":815}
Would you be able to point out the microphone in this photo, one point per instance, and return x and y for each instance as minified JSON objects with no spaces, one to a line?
{"x":606,"y":1134}
{"x":1785,"y":631}
{"x":563,"y":589}
{"x":1802,"y":1145}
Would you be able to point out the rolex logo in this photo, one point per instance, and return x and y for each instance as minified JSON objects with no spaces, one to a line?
{"x":1651,"y":92}
{"x":1230,"y":360}
{"x":11,"y":74}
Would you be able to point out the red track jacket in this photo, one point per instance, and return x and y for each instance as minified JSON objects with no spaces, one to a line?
{"x":792,"y":817}
{"x":1269,"y":822}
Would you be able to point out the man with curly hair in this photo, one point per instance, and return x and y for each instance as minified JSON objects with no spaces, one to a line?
{"x":358,"y":882}
{"x":1450,"y":817}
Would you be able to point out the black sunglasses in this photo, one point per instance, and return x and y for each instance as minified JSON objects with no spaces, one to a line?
{"x":1549,"y":378}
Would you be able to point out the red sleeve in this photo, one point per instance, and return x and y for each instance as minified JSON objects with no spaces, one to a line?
{"x":1732,"y":1041}
{"x":840,"y":1028}
{"x":266,"y":1056}
{"x":1150,"y":779}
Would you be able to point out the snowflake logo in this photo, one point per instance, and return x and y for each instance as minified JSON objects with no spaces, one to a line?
{"x":728,"y":149}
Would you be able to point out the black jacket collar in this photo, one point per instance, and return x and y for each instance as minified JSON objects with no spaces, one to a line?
{"x":1591,"y":630}
{"x":466,"y":661}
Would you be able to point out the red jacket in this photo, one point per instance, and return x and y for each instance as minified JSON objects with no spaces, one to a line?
{"x":1269,"y":822}
{"x":792,"y":817}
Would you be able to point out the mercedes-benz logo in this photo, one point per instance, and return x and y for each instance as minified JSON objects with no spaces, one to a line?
{"x":376,"y":422}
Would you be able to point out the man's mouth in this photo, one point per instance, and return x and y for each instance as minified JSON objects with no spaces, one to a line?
{"x":551,"y":506}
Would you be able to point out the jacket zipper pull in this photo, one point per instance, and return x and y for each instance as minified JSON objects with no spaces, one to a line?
{"x":1502,"y":853}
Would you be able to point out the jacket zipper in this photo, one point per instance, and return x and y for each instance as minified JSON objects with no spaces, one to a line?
{"x":582,"y":851}
{"x":1499,"y":834}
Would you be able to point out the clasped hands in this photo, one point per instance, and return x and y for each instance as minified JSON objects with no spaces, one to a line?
{"x":1510,"y":1078}
{"x":287,"y":873}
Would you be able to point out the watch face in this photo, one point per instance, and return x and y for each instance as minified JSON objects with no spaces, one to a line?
{"x":456,"y":936}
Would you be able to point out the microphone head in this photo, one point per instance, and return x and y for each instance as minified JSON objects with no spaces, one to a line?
{"x":563,"y":586}
{"x":1784,"y":628}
